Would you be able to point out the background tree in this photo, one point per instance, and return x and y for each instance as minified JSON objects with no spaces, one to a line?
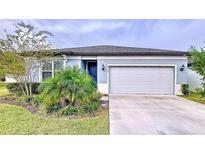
{"x":11,"y":63}
{"x":26,"y":47}
{"x":197,"y":58}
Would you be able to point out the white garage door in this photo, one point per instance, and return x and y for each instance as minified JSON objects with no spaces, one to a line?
{"x":142,"y":80}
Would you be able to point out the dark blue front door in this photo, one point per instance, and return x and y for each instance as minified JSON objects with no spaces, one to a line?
{"x":92,"y":70}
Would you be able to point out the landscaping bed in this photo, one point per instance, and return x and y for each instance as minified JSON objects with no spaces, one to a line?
{"x":7,"y":98}
{"x":17,"y":120}
{"x":22,"y":118}
{"x":193,"y":96}
{"x":12,"y":101}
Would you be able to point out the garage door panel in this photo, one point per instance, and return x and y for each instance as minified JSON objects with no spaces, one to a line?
{"x":142,"y":80}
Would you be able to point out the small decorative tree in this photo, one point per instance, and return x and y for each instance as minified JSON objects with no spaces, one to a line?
{"x":21,"y":54}
{"x":197,"y":58}
{"x":69,"y":88}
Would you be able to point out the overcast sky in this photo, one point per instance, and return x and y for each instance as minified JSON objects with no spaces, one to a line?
{"x":164,"y":34}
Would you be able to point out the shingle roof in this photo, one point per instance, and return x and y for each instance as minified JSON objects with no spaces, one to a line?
{"x":109,"y":50}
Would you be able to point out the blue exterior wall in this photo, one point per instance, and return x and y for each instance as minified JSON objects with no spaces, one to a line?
{"x":36,"y":72}
{"x":181,"y":75}
{"x":102,"y":75}
{"x":73,"y":62}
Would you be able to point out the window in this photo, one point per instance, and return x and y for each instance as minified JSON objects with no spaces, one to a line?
{"x":58,"y":65}
{"x":47,"y":69}
{"x":46,"y":75}
{"x":47,"y":65}
{"x":50,"y":67}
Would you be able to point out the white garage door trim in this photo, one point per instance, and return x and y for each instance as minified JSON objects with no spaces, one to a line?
{"x":143,"y":65}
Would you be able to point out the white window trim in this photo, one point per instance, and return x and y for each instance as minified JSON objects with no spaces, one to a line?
{"x":52,"y":69}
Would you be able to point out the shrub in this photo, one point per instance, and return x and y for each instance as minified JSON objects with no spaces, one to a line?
{"x":184,"y":89}
{"x":16,"y":89}
{"x":69,"y":89}
{"x":80,"y":110}
{"x":90,"y":108}
{"x":203,"y":89}
{"x":200,"y":91}
{"x":33,"y":100}
{"x":70,"y":110}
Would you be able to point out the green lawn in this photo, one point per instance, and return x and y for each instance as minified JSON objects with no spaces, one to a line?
{"x":17,"y":120}
{"x":3,"y":89}
{"x":194,"y":97}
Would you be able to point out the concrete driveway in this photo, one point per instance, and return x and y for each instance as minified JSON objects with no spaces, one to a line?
{"x":171,"y":115}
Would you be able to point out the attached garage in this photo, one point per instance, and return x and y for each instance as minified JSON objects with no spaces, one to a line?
{"x":159,"y":80}
{"x":121,"y":69}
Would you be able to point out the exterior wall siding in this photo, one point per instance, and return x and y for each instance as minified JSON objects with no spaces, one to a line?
{"x":73,"y":62}
{"x":103,"y":78}
{"x":37,"y":75}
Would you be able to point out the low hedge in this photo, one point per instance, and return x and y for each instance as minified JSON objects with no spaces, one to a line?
{"x":16,"y":89}
{"x":80,"y":110}
{"x":185,"y":89}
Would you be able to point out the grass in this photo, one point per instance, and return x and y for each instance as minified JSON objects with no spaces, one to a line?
{"x":194,"y":97}
{"x":17,"y":120}
{"x":3,"y":89}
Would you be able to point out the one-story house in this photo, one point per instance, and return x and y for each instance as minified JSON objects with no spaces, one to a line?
{"x":118,"y":69}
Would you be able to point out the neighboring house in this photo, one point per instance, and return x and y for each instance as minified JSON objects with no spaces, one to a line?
{"x":193,"y":78}
{"x":124,"y":69}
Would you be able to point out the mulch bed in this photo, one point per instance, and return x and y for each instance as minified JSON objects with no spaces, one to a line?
{"x":33,"y":109}
{"x":12,"y":101}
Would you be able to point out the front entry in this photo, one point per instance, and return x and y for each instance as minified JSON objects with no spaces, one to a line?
{"x":92,"y":69}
